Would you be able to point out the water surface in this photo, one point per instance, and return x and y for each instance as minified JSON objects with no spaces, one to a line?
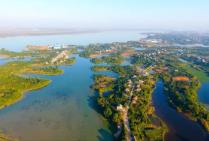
{"x":181,"y":128}
{"x":203,"y":93}
{"x":19,"y":43}
{"x":62,"y":111}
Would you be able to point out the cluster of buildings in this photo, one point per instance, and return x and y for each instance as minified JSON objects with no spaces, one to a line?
{"x":60,"y":58}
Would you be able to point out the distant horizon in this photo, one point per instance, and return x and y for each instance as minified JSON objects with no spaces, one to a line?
{"x":84,"y":29}
{"x":11,"y":32}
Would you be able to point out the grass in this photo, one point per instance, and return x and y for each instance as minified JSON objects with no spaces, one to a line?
{"x":49,"y":70}
{"x":99,"y":68}
{"x":201,"y":75}
{"x":13,"y":85}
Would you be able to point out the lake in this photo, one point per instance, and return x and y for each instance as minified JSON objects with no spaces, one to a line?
{"x":62,"y":111}
{"x":19,"y":43}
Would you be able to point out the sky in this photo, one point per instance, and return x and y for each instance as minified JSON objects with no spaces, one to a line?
{"x":106,"y":14}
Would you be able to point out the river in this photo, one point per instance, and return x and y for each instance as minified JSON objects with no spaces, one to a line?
{"x":181,"y":128}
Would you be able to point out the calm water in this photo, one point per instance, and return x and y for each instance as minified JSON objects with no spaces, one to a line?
{"x":4,"y":60}
{"x":203,"y":93}
{"x":62,"y":111}
{"x":181,"y":129}
{"x":19,"y":43}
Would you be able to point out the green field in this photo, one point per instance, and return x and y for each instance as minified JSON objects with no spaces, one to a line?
{"x":201,"y":75}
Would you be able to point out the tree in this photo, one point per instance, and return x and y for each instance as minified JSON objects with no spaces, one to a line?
{"x":107,"y":112}
{"x":116,"y":118}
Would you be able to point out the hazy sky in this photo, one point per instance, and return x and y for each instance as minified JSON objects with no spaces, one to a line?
{"x":155,"y":14}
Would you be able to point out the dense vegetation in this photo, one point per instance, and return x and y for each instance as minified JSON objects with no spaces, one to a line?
{"x":47,"y":70}
{"x":113,"y":60}
{"x":132,"y":92}
{"x":99,"y":68}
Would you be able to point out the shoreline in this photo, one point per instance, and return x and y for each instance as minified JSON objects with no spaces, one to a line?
{"x":6,"y":137}
{"x":23,"y":93}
